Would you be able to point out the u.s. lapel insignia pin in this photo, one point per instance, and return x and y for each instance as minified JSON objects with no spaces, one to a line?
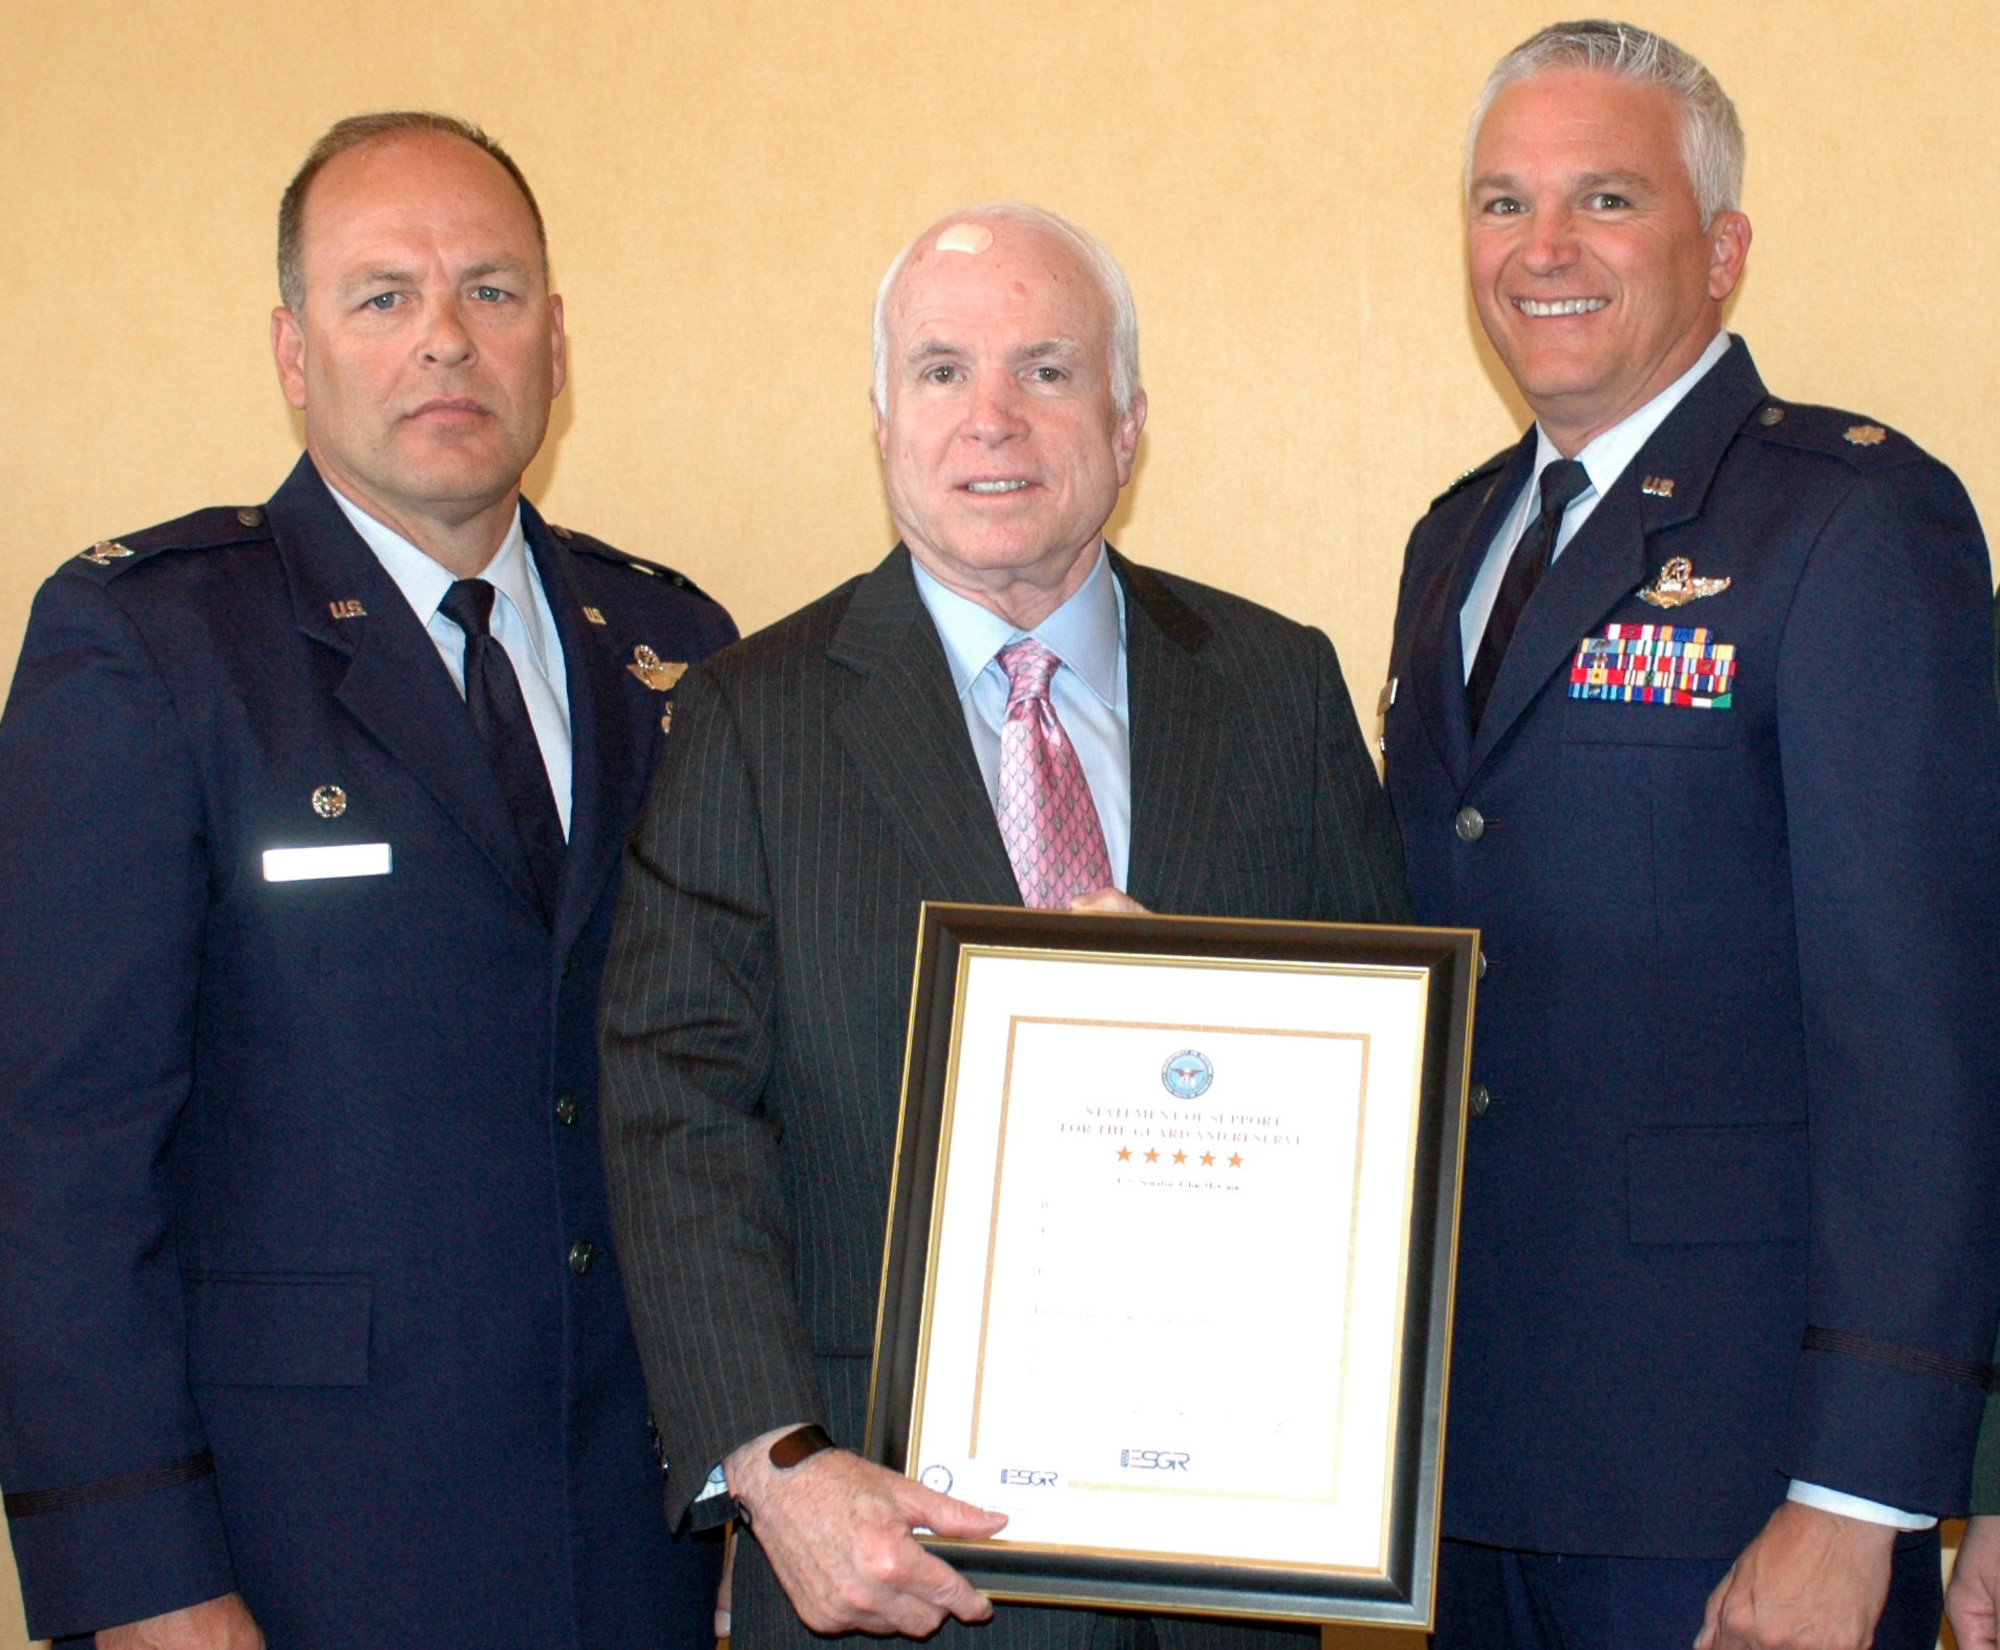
{"x":1675,"y":585}
{"x":1657,"y":486}
{"x":104,"y":552}
{"x":594,"y":614}
{"x":349,"y":609}
{"x":657,"y":673}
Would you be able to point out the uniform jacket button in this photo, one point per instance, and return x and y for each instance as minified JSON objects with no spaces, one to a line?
{"x":1478,"y":1101}
{"x":566,"y":1108}
{"x":582,"y":1256}
{"x":1470,"y":824}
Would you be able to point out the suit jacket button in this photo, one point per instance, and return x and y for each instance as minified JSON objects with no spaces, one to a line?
{"x":1470,"y":824}
{"x":582,"y":1256}
{"x":1478,"y":1101}
{"x":566,"y":1108}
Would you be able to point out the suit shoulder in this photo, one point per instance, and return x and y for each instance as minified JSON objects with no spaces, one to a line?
{"x":596,"y":552}
{"x":221,"y":527}
{"x":802,"y":633}
{"x":1857,"y":442}
{"x":1491,"y":467}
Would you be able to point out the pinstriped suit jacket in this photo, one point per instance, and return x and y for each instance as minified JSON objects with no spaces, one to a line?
{"x":818,"y":785}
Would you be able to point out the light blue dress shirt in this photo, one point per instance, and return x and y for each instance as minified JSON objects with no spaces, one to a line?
{"x":522,"y":624}
{"x":1088,"y":634}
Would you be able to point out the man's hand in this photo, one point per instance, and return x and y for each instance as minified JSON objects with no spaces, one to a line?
{"x":1811,"y":1578}
{"x":1973,"y":1601}
{"x":220,"y":1624}
{"x":1108,"y":902}
{"x":837,"y":1529}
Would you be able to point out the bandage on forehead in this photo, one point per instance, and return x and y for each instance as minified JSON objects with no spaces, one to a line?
{"x":964,"y":237}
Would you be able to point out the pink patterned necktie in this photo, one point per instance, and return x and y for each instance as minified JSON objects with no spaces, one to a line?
{"x":1047,"y":817}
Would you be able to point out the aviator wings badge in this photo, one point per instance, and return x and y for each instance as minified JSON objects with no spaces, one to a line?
{"x":1675,"y":585}
{"x":657,"y":673}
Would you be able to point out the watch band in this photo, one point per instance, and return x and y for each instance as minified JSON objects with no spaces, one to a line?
{"x":798,"y":1445}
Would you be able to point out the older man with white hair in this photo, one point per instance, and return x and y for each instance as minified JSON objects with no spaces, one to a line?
{"x":1004,"y":711}
{"x":1691,"y":715}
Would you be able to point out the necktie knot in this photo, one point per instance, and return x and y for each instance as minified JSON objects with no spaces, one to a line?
{"x":469,"y":605}
{"x":1562,"y":483}
{"x":1028,"y":665}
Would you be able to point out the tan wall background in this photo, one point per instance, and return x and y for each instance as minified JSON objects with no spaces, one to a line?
{"x":724,"y":183}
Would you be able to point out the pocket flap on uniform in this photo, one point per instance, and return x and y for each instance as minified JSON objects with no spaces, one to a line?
{"x":1743,"y":1185}
{"x":279,"y":1329}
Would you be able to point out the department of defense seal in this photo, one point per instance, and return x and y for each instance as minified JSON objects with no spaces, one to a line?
{"x":1187,"y":1074}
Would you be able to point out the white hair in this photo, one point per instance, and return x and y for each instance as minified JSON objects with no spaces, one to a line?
{"x":1711,"y":136}
{"x":1091,"y":252}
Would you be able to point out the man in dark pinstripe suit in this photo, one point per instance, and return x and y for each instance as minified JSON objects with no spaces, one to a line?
{"x":827,"y":776}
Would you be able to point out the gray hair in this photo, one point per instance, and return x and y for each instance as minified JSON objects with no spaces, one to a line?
{"x":1089,"y":250}
{"x":1711,"y":136}
{"x":352,"y":133}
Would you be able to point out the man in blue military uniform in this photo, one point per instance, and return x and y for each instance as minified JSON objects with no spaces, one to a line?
{"x":1691,"y":715}
{"x":312,"y":815}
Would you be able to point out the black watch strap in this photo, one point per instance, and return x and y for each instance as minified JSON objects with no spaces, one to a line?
{"x":800,"y":1444}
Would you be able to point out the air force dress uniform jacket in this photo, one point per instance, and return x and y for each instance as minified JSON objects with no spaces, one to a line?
{"x":303,"y":1234}
{"x":1730,"y":1207}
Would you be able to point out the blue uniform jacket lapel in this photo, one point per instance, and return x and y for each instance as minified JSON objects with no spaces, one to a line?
{"x":904,"y":730}
{"x":1609,"y":559}
{"x":1436,"y":666}
{"x":606,"y":706}
{"x":393,"y":684}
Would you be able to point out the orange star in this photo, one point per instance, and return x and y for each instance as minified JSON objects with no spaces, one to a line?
{"x":1180,"y":1157}
{"x":1236,"y":1160}
{"x":1124,"y":1154}
{"x":1151,"y":1155}
{"x":1207,"y":1158}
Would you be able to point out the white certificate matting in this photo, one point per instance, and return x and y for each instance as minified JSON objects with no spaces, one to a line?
{"x":1167,"y":1271}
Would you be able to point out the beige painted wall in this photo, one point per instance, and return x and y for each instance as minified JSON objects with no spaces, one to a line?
{"x":724,"y":183}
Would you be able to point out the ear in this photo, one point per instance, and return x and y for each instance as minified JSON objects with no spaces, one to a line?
{"x":558,"y":347}
{"x":1127,"y":443}
{"x":1728,"y":248}
{"x":288,"y":348}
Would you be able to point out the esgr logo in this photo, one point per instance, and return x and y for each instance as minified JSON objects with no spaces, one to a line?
{"x":1035,"y":1478}
{"x":1154,"y":1460}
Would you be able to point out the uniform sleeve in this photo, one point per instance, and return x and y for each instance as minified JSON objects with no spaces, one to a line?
{"x":1890,"y":762}
{"x":1360,"y":848}
{"x":691,"y":1153}
{"x":110,"y":1490}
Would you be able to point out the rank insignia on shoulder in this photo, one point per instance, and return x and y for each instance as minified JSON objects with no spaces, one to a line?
{"x":657,"y":673}
{"x":105,"y":552}
{"x":1865,"y":435}
{"x":1675,"y":585}
{"x":1655,"y":664}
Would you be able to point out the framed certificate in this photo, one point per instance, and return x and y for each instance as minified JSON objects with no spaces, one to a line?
{"x":1168,"y":1270}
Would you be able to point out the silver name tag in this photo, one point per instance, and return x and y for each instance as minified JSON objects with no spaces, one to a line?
{"x":346,"y":859}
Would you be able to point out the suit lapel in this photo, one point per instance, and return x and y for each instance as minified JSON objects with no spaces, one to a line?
{"x":608,"y":766}
{"x":1608,"y":559}
{"x":394,"y":684}
{"x":1437,"y":654}
{"x":904,"y":730}
{"x":1180,"y":719}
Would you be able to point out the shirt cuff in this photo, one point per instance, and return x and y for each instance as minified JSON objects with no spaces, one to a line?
{"x":1854,"y":1506}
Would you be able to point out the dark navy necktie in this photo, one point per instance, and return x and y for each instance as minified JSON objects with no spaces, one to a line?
{"x":500,"y":718}
{"x":1562,"y":481}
